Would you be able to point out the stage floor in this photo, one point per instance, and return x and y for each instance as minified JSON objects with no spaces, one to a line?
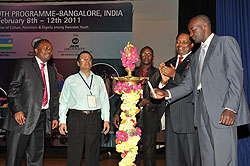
{"x":56,"y":156}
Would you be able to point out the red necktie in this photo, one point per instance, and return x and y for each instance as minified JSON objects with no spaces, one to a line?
{"x":45,"y":97}
{"x":180,"y":59}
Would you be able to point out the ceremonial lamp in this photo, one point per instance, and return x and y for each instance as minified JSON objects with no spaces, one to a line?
{"x":129,"y":87}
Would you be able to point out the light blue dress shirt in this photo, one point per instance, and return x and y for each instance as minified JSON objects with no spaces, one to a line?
{"x":74,"y":95}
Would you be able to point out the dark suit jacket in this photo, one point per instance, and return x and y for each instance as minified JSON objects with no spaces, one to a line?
{"x":25,"y":94}
{"x":150,"y":112}
{"x":182,"y":110}
{"x":148,"y":119}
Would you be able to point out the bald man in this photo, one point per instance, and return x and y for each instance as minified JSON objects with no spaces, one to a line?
{"x":216,"y":80}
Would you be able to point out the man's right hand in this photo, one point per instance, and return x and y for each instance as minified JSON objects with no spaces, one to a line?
{"x":63,"y":129}
{"x":159,"y":93}
{"x":19,"y":117}
{"x":116,"y":120}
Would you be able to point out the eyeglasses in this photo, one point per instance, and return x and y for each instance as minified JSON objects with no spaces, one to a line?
{"x":85,"y":60}
{"x":47,"y":49}
{"x":146,"y":54}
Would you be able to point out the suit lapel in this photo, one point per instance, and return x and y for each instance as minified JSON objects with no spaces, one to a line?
{"x":37,"y":68}
{"x":184,"y":63}
{"x":149,"y":74}
{"x":208,"y":55}
{"x":210,"y":51}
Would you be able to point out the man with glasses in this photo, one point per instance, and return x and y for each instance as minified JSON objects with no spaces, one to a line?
{"x":147,"y":119}
{"x":85,"y":96}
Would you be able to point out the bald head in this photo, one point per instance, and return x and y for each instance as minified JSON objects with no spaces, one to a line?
{"x":203,"y":19}
{"x":199,"y":28}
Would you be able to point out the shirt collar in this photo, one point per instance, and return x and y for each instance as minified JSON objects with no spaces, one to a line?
{"x":91,"y":73}
{"x":208,"y":40}
{"x":184,"y":56}
{"x":39,"y":61}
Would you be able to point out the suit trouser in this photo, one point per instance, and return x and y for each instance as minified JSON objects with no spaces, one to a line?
{"x":29,"y":146}
{"x":84,"y":132}
{"x":182,"y":149}
{"x":149,"y":148}
{"x":218,"y":146}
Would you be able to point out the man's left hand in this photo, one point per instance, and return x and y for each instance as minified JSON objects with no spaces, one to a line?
{"x":168,"y":71}
{"x":143,"y":102}
{"x":106,"y":127}
{"x":227,"y":117}
{"x":54,"y":124}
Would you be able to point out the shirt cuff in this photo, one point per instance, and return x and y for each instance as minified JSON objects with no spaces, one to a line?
{"x":230,"y":110}
{"x":62,"y":120}
{"x":169,"y":95}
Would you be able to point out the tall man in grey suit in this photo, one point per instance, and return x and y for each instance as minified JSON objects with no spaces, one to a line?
{"x":32,"y":91}
{"x":182,"y":145}
{"x":216,"y":80}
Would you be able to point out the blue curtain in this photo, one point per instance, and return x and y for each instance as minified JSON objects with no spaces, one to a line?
{"x":233,"y":19}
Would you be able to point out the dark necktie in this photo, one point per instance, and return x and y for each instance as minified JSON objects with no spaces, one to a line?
{"x":45,"y":97}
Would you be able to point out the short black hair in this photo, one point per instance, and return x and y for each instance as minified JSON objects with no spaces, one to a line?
{"x":83,"y":52}
{"x":147,"y":47}
{"x":185,"y":32}
{"x":36,"y":45}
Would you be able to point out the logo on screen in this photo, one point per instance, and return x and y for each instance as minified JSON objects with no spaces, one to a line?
{"x":75,"y":41}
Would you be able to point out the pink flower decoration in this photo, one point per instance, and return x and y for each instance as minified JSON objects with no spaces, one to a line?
{"x":132,"y":59}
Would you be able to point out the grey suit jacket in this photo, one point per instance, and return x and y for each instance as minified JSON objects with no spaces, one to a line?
{"x":182,"y":110}
{"x":25,"y":94}
{"x":222,"y":81}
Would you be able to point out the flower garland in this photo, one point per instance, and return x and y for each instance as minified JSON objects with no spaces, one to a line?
{"x":130,"y":56}
{"x":128,"y":136}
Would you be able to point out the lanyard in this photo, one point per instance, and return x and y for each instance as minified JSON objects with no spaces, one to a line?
{"x":89,"y":86}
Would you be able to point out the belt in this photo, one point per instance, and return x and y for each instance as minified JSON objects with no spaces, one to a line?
{"x":199,"y":91}
{"x":86,"y":111}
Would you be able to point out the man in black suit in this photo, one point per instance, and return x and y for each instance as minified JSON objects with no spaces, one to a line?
{"x":182,"y":146}
{"x":147,"y":119}
{"x":32,"y":92}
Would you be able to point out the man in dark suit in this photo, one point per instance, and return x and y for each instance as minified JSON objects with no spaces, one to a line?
{"x":32,"y":92}
{"x":216,"y":80}
{"x":148,"y":119}
{"x":182,"y":145}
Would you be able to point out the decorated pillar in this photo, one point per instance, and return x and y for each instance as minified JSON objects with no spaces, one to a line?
{"x":128,"y":135}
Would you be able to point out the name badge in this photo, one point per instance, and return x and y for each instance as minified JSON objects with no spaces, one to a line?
{"x":92,"y":101}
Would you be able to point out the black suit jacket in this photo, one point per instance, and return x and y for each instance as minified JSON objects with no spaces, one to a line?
{"x":182,"y":110}
{"x":148,"y":119}
{"x":25,"y":94}
{"x":150,"y":114}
